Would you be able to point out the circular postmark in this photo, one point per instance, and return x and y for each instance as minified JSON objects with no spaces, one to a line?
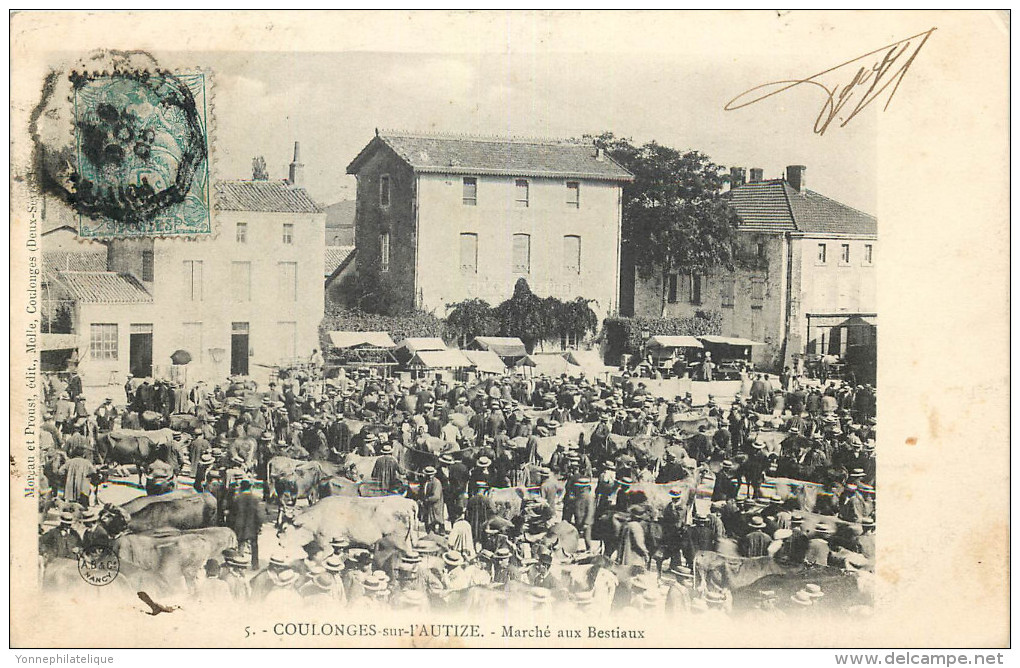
{"x":98,"y":565}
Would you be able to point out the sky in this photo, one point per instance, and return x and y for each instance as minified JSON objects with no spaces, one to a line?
{"x":333,"y":102}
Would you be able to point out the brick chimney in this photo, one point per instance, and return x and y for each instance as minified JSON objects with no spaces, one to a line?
{"x":757,"y":174}
{"x":796,"y":178}
{"x":297,"y":169}
{"x":737,"y":177}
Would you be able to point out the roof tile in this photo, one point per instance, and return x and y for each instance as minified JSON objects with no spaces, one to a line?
{"x":268,"y":196}
{"x":498,"y":156}
{"x":775,"y":206}
{"x":336,"y":256}
{"x":103,"y":287}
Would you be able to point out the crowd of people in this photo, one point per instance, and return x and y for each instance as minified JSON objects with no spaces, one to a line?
{"x":614,"y":492}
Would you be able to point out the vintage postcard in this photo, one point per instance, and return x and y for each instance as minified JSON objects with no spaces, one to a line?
{"x":509,"y":329}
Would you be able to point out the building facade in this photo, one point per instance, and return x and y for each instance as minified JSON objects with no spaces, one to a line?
{"x":239,"y":302}
{"x":806,"y":285}
{"x":444,"y":218}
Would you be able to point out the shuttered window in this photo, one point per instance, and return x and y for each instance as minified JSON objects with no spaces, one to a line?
{"x":522,"y":254}
{"x":469,"y":253}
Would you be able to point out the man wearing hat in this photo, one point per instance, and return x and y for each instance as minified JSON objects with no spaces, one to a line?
{"x":105,"y":415}
{"x":284,"y":594}
{"x":818,"y":545}
{"x":387,"y":472}
{"x":234,"y":575}
{"x":246,"y":521}
{"x":851,"y":503}
{"x":358,"y":570}
{"x":583,"y":511}
{"x":430,"y":500}
{"x":266,"y":579}
{"x":198,"y":446}
{"x":727,"y":484}
{"x":62,"y":541}
{"x":756,"y":542}
{"x":95,"y":534}
{"x":78,"y":483}
{"x":455,"y":578}
{"x":633,"y":550}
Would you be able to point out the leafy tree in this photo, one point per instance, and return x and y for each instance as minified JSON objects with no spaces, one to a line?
{"x":674,"y":214}
{"x":370,"y":291}
{"x":259,"y":171}
{"x":523,"y":316}
{"x":470,"y":318}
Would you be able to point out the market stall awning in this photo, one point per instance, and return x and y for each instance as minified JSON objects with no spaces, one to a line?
{"x":729,"y":340}
{"x":485,"y":361}
{"x":356,"y":339}
{"x":58,"y":341}
{"x":415,"y":344}
{"x":440,"y":359}
{"x":674,"y":342}
{"x":589,"y":361}
{"x":504,"y":346}
{"x":551,"y":364}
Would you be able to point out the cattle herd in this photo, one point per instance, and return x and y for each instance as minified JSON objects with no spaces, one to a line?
{"x":363,"y":491}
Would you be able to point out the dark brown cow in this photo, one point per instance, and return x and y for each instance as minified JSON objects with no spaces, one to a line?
{"x":299,"y":479}
{"x":180,"y":510}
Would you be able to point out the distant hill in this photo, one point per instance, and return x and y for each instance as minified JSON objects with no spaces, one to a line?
{"x":340,"y":223}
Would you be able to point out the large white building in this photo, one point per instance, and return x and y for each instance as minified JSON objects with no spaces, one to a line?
{"x":239,"y":302}
{"x":446,"y":218}
{"x":807,"y":287}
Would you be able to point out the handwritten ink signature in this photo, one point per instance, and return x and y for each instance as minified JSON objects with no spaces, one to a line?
{"x":868,"y":82}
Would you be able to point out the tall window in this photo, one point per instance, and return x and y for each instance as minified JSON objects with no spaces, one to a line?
{"x":240,"y":281}
{"x":573,"y":195}
{"x":728,"y":290}
{"x":868,"y":257}
{"x":469,"y":253}
{"x":287,"y":338}
{"x":148,"y":260}
{"x":192,"y":334}
{"x":671,"y":288}
{"x":288,"y":233}
{"x":821,"y":253}
{"x":759,"y":249}
{"x":384,"y":251}
{"x":521,"y":197}
{"x":470,"y":194}
{"x":695,"y":289}
{"x":757,"y":292}
{"x":522,"y":254}
{"x":384,"y":190}
{"x":288,"y":281}
{"x":572,"y":254}
{"x":103,"y":341}
{"x":844,"y":253}
{"x":193,"y":280}
{"x":242,"y":233}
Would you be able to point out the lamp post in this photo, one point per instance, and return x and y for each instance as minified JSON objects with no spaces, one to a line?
{"x":645,"y":335}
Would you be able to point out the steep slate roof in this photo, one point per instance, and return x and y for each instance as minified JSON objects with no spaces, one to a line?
{"x":774,"y":206}
{"x":451,"y":154}
{"x":336,"y":256}
{"x":763,"y":207}
{"x":819,"y":214}
{"x":103,"y":287}
{"x":268,"y":196}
